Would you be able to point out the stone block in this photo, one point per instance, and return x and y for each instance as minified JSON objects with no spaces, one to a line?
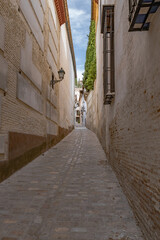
{"x":43,"y":4}
{"x":3,"y":145}
{"x":53,"y":11}
{"x":53,"y":48}
{"x":0,"y":109}
{"x":2,"y":28}
{"x":39,"y":12}
{"x":52,"y":112}
{"x":52,"y":63}
{"x":52,"y":128}
{"x":53,"y":29}
{"x":31,"y":19}
{"x":27,"y":65}
{"x":51,"y":96}
{"x":3,"y":73}
{"x":29,"y":95}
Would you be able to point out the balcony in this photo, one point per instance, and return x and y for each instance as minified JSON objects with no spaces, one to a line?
{"x":140,"y":14}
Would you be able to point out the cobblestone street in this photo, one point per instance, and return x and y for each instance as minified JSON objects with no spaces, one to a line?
{"x":69,"y":193}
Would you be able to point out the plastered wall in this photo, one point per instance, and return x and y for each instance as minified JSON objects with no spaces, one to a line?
{"x":66,"y":93}
{"x":129,"y":128}
{"x":30,"y":51}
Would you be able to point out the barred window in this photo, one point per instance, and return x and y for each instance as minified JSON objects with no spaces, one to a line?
{"x":108,"y":54}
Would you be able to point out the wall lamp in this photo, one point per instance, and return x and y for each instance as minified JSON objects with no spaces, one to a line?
{"x":61,"y":74}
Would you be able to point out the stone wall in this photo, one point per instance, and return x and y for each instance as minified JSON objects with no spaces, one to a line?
{"x":129,"y":128}
{"x":30,"y":51}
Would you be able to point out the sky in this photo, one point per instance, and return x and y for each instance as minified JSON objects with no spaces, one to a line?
{"x":80,"y":15}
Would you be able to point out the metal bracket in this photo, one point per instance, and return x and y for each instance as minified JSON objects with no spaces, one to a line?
{"x":108,"y":98}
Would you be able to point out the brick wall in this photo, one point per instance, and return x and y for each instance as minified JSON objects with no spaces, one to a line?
{"x":129,"y":128}
{"x":30,"y":34}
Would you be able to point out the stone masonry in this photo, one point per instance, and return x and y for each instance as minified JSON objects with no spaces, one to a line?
{"x":68,"y":193}
{"x":33,"y":115}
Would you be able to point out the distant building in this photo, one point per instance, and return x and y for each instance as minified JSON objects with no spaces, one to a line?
{"x":35,"y":42}
{"x":80,"y":107}
{"x":77,"y":106}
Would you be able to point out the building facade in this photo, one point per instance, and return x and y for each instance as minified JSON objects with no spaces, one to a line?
{"x":124,"y":108}
{"x":35,"y":42}
{"x":77,"y":107}
{"x":80,"y":107}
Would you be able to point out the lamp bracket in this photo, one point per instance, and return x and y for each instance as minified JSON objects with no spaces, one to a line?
{"x":54,"y":81}
{"x":61,"y":73}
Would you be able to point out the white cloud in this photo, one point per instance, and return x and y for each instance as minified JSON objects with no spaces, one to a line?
{"x":75,"y":13}
{"x":79,"y":39}
{"x":79,"y":13}
{"x":84,"y":4}
{"x":80,"y":20}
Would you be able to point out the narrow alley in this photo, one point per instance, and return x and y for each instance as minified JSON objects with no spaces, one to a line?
{"x":79,"y":120}
{"x":73,"y":196}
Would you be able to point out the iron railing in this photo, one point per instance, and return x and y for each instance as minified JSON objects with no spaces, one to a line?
{"x":108,"y":54}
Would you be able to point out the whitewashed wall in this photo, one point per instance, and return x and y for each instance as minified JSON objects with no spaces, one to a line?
{"x":66,"y":90}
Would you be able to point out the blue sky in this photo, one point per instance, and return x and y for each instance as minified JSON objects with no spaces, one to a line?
{"x":80,"y":14}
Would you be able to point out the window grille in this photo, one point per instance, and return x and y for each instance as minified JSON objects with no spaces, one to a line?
{"x":140,"y":12}
{"x":108,"y":54}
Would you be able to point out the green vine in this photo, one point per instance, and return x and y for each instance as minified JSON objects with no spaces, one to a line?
{"x":89,"y":75}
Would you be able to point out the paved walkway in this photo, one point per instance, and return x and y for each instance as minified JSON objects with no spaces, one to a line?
{"x":70,"y":193}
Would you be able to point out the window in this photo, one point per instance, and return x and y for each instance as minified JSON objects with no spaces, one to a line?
{"x":108,"y":54}
{"x":78,"y":113}
{"x":140,"y":12}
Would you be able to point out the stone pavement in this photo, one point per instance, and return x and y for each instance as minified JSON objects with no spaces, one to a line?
{"x":69,"y":193}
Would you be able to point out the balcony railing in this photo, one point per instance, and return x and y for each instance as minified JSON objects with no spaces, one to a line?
{"x":140,"y":13}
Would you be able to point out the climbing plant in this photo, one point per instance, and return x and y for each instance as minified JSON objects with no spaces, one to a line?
{"x":89,"y":75}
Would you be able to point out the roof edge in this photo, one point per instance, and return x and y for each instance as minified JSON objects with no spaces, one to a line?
{"x":60,"y":11}
{"x":69,"y":33}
